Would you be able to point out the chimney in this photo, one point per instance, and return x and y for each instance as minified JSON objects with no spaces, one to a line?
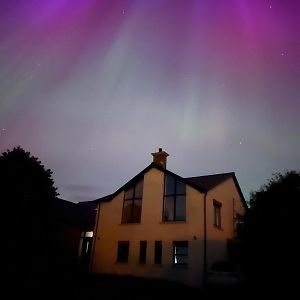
{"x":160,"y":158}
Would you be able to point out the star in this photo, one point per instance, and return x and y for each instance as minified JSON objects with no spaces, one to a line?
{"x":240,"y":143}
{"x":123,"y":12}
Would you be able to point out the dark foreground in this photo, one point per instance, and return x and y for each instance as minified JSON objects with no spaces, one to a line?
{"x":87,"y":287}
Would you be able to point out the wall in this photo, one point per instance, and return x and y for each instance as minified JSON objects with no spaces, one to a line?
{"x":227,"y":194}
{"x":151,"y":229}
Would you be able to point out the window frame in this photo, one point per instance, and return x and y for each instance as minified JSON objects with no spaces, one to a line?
{"x":143,"y":252}
{"x":180,"y":244}
{"x":175,"y":195}
{"x":131,"y":201}
{"x":120,"y":256}
{"x":217,"y":213}
{"x":158,"y":252}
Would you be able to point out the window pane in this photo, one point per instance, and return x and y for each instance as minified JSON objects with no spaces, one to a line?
{"x":217,"y":215}
{"x":180,"y":208}
{"x":180,"y":260}
{"x":180,"y":187}
{"x":168,"y":214}
{"x":143,"y":251}
{"x":123,"y":251}
{"x":169,"y":185}
{"x":181,"y":250}
{"x":129,"y":193}
{"x":139,"y":189}
{"x":157,"y":252}
{"x":127,"y":212}
{"x":137,"y":209}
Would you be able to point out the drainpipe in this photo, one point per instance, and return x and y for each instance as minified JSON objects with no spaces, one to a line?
{"x":204,"y":245}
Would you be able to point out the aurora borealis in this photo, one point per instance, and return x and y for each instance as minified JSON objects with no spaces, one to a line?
{"x":92,"y":87}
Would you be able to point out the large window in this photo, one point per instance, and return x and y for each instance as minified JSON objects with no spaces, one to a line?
{"x":217,"y":213}
{"x":157,"y":252}
{"x":174,"y":199}
{"x":132,"y":206}
{"x":180,"y":253}
{"x":123,"y":252}
{"x":143,"y":252}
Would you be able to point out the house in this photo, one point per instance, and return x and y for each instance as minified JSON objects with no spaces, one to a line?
{"x":73,"y":225}
{"x":161,"y":225}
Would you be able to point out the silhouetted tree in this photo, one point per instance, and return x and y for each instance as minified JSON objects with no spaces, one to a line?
{"x":26,"y":192}
{"x":270,"y":237}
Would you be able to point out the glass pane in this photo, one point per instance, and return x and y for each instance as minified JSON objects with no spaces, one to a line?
{"x":157,"y":252}
{"x":180,"y":187}
{"x":139,"y":189}
{"x":129,"y":193}
{"x":127,"y":212}
{"x":137,"y":209}
{"x":168,"y":214}
{"x":169,"y":185}
{"x":123,"y":251}
{"x":181,"y":250}
{"x":180,"y":208}
{"x":182,"y":260}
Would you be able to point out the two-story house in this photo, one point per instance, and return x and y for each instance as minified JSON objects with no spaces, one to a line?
{"x":160,"y":225}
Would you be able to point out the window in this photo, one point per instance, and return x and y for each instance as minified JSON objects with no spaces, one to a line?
{"x":123,"y":251}
{"x":217,"y":213}
{"x":132,"y":206}
{"x":238,"y":224}
{"x":180,"y":253}
{"x":143,"y":252}
{"x":174,"y":199}
{"x":157,"y":252}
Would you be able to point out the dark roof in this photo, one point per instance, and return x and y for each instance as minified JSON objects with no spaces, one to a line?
{"x":82,"y":214}
{"x":210,"y":181}
{"x":200,"y":183}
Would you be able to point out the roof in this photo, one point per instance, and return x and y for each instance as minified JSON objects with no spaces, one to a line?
{"x":201,"y":183}
{"x":210,"y":181}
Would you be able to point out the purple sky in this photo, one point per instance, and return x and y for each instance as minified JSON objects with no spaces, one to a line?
{"x":92,"y":87}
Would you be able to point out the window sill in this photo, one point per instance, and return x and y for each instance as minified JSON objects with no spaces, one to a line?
{"x":172,"y":222}
{"x":130,"y":223}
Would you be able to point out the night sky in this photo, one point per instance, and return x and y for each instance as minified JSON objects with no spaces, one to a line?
{"x":92,"y":87}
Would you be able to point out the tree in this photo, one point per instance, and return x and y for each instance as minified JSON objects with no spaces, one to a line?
{"x":26,"y":192}
{"x":270,"y":237}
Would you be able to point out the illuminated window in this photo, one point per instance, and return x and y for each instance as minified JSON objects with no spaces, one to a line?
{"x":217,"y":213}
{"x":157,"y":252}
{"x":143,"y":252}
{"x":180,"y":252}
{"x":123,"y":252}
{"x":174,"y":199}
{"x":132,"y":206}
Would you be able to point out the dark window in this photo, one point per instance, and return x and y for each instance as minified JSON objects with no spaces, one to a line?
{"x":180,"y":253}
{"x":157,"y":252}
{"x":132,"y":206}
{"x":174,"y":199}
{"x":217,"y":213}
{"x":143,"y":252}
{"x":123,"y":252}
